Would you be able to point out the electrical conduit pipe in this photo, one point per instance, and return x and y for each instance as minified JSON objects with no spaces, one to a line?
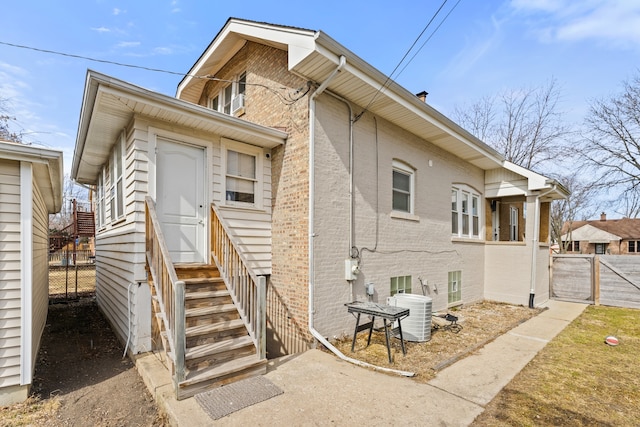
{"x":317,"y":335}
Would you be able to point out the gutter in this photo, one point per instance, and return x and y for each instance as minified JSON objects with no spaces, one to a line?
{"x":534,"y":244}
{"x":317,"y":335}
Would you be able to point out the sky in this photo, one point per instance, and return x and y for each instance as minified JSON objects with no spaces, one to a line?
{"x":472,"y":49}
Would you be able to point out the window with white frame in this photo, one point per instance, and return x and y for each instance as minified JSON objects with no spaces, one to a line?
{"x":634,"y":246}
{"x":400,"y":285}
{"x":243,"y":164}
{"x":465,"y":212}
{"x":403,"y":187}
{"x":513,"y":224}
{"x":100,"y":198}
{"x":455,"y":287}
{"x":117,"y":180}
{"x":223,"y":100}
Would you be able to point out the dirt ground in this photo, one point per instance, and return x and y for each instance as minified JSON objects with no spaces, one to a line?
{"x":479,"y":324}
{"x":81,"y":378}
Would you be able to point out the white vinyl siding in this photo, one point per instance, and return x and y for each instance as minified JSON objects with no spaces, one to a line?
{"x":250,"y":223}
{"x":40,"y":275}
{"x":10,"y":279}
{"x":120,"y":249}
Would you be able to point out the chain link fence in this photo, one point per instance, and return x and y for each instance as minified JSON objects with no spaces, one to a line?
{"x":71,"y":275}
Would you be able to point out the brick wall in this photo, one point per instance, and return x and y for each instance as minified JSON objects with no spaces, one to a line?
{"x":270,"y":100}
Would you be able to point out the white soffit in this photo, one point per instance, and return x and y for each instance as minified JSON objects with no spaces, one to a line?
{"x":109,"y":105}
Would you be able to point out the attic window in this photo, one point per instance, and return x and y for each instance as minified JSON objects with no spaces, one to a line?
{"x":230,"y":99}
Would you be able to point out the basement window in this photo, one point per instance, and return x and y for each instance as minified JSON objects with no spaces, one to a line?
{"x":400,"y":285}
{"x":455,"y":287}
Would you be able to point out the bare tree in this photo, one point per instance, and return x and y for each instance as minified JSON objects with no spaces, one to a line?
{"x":5,"y":129}
{"x":580,"y":205}
{"x":525,"y":125}
{"x":612,"y":145}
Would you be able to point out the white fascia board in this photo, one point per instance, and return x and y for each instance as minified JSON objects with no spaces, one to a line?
{"x":535,"y":180}
{"x":50,"y":159}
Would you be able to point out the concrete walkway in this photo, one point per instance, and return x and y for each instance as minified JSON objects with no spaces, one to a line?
{"x":320,"y":389}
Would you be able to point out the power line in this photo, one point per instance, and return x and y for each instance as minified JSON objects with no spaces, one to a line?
{"x":430,"y":36}
{"x":286,"y":99}
{"x":389,"y":78}
{"x":103,"y":61}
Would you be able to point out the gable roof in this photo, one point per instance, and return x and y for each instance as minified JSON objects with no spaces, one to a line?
{"x":591,"y":234}
{"x":622,"y":229}
{"x":314,"y":55}
{"x":109,"y":104}
{"x":47,"y":169}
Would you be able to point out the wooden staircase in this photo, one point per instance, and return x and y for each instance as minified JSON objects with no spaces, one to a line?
{"x":219,"y":349}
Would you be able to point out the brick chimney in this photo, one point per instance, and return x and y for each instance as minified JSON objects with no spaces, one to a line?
{"x":603,"y":216}
{"x":422,"y":96}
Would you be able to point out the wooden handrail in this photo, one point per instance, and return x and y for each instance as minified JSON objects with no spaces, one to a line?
{"x":248,"y":290}
{"x":169,"y":290}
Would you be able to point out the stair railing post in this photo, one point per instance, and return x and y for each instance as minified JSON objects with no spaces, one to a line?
{"x":261,"y":326}
{"x":179,"y":333}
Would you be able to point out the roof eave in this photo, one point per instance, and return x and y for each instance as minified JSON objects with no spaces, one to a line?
{"x":100,"y":86}
{"x":49,"y":169}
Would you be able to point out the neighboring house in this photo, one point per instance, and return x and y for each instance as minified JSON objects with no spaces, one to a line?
{"x":325,"y":175}
{"x":30,"y":189}
{"x":603,"y":236}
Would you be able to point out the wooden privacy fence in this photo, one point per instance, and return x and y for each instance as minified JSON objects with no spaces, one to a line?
{"x":597,"y":279}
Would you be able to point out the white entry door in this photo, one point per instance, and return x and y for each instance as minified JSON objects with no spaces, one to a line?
{"x":180,"y":196}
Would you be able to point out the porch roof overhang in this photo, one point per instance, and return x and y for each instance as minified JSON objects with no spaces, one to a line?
{"x":513,"y":180}
{"x":313,"y":55}
{"x":47,"y":170}
{"x":109,"y":105}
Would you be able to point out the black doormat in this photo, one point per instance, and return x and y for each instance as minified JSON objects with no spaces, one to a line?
{"x":227,"y":399}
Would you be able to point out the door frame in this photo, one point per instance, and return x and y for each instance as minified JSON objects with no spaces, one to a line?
{"x":180,"y":139}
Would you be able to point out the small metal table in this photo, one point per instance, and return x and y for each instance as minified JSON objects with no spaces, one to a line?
{"x":387,"y":312}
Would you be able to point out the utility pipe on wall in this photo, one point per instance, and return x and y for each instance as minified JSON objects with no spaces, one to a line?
{"x":317,"y":335}
{"x":534,"y":244}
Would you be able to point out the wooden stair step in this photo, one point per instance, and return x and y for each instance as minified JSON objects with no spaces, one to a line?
{"x":206,"y":350}
{"x":205,"y":294}
{"x":199,"y":280}
{"x":215,"y":309}
{"x":194,"y":331}
{"x":234,"y":366}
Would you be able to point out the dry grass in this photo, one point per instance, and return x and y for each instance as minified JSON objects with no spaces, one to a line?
{"x":482,"y":322}
{"x":577,"y":380}
{"x":31,"y":412}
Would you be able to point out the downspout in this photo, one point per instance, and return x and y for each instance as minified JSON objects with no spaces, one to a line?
{"x":317,"y":335}
{"x":534,"y":244}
